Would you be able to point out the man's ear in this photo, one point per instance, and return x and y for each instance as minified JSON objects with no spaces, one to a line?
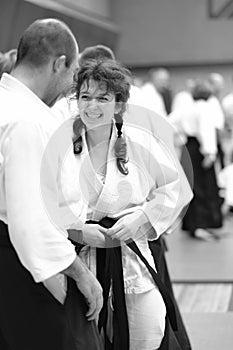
{"x":59,"y":63}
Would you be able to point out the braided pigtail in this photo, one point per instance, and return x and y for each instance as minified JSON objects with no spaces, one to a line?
{"x":77,"y":137}
{"x":120,"y":147}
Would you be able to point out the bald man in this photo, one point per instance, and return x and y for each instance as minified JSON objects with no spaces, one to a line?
{"x":48,"y":297}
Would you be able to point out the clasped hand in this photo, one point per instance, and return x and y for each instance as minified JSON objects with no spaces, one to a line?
{"x":128,"y":226}
{"x":93,"y":235}
{"x":125,"y":228}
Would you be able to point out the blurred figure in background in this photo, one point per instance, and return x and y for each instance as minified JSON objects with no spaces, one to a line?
{"x":196,"y":124}
{"x":227,"y":104}
{"x":7,"y":61}
{"x":225,"y":181}
{"x":162,"y":82}
{"x":216,"y":82}
{"x":182,"y":102}
{"x":151,"y":96}
{"x":97,"y":52}
{"x":184,"y":99}
{"x":138,"y":81}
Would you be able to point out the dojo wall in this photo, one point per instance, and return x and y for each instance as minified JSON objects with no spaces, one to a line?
{"x":174,"y":31}
{"x":88,"y":26}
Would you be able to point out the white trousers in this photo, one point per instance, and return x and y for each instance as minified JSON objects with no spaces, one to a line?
{"x":146,"y":316}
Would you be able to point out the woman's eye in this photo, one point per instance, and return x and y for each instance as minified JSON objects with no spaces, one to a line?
{"x":103,"y":99}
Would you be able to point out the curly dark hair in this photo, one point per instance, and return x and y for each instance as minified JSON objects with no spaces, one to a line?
{"x":116,"y":79}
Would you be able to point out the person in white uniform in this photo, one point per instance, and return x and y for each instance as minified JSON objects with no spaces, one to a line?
{"x":140,"y":117}
{"x":137,"y":114}
{"x":34,"y":249}
{"x":225,"y":182}
{"x":196,"y":126}
{"x":151,"y":98}
{"x":217,"y":83}
{"x":126,"y":174}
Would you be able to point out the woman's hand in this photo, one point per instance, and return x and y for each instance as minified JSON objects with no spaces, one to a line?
{"x":93,"y":235}
{"x":127,"y":227}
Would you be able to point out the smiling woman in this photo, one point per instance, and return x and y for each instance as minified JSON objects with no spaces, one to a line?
{"x":127,"y":177}
{"x":102,"y":92}
{"x":96,"y":105}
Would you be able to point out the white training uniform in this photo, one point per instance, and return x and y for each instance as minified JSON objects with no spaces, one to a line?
{"x":37,"y":228}
{"x":153,"y":185}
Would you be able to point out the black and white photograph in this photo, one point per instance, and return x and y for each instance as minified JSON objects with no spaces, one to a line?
{"x":116,"y":175}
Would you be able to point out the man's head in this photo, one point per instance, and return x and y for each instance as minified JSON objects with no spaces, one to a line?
{"x":49,"y":50}
{"x":216,"y":82}
{"x":97,"y":52}
{"x":160,"y":78}
{"x":201,"y":90}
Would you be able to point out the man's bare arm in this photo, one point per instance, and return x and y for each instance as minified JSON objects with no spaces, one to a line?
{"x":88,"y":286}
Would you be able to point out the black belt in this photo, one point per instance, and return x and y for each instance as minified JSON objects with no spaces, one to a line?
{"x":110,"y":271}
{"x":108,"y":262}
{"x":4,"y":235}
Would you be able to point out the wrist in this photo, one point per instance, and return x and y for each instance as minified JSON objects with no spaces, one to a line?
{"x":143,"y":219}
{"x":76,"y":269}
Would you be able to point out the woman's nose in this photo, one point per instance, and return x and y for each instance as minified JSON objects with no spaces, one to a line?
{"x":93,"y":103}
{"x":92,"y":108}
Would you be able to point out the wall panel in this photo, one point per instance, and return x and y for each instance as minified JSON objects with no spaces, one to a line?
{"x":173,"y":31}
{"x":16,"y":15}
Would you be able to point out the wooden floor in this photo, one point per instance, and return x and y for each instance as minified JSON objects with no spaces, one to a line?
{"x":202,"y":276}
{"x":204,"y":297}
{"x":192,"y":260}
{"x":210,"y":331}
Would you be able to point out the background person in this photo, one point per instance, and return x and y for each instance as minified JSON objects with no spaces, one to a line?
{"x":216,"y":82}
{"x":204,"y":212}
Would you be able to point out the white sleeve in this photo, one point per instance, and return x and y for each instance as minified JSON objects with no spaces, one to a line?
{"x":217,"y":114}
{"x":207,"y":131}
{"x":167,"y":199}
{"x":32,"y":204}
{"x":152,"y":100}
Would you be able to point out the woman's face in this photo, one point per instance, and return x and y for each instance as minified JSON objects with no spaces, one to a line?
{"x":96,"y":106}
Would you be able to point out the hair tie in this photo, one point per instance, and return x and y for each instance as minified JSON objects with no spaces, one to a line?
{"x":77,"y":139}
{"x":77,"y":146}
{"x":119,"y":133}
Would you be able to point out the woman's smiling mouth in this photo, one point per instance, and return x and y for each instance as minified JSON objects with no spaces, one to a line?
{"x":93,"y":116}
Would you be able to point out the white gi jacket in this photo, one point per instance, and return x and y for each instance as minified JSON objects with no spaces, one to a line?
{"x":152,"y":99}
{"x":197,"y":121}
{"x":153,"y":185}
{"x":26,"y":125}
